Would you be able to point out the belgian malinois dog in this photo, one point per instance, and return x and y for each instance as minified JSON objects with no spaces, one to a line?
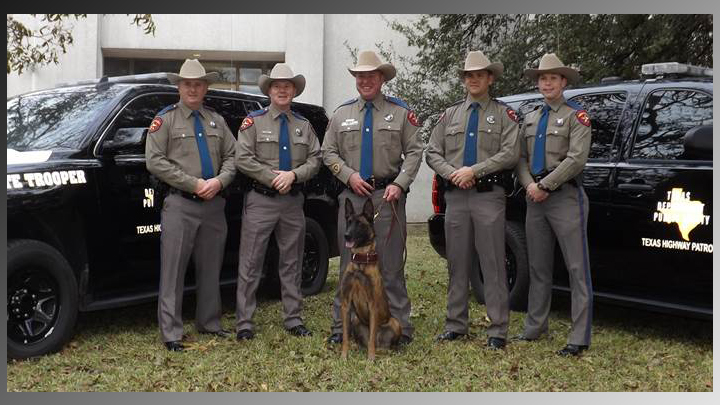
{"x":364,"y":304}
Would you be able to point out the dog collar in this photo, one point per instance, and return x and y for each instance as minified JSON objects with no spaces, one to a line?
{"x":364,"y":258}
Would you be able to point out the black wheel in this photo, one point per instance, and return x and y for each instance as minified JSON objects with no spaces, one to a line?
{"x":315,"y":260}
{"x":516,"y":265}
{"x":42,"y":299}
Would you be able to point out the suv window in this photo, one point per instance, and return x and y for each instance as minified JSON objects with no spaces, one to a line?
{"x":56,"y":119}
{"x":233,"y":111}
{"x":605,"y":111}
{"x":667,"y":116}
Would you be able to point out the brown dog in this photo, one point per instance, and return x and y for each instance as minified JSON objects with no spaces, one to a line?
{"x":361,"y":288}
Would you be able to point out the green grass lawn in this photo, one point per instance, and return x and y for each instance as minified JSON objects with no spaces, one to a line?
{"x":120,"y":350}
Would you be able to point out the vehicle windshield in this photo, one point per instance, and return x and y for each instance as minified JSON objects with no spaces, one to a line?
{"x":56,"y":119}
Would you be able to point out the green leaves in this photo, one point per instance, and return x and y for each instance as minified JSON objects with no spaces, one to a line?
{"x":37,"y":47}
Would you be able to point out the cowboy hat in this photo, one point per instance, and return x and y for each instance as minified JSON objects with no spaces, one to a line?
{"x":368,"y":61}
{"x":281,"y":71}
{"x":550,"y":63}
{"x":476,"y":60}
{"x":192,"y":69}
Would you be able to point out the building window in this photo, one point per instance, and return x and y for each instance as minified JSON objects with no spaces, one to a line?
{"x":234,"y":75}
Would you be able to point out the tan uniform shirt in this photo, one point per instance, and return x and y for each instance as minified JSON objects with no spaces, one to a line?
{"x":172,"y":153}
{"x":258,"y":146}
{"x":395,"y":135}
{"x":498,"y":147}
{"x":567,"y":144}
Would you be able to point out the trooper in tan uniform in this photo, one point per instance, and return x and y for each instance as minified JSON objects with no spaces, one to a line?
{"x":190,"y":148}
{"x":473,"y":146}
{"x":279,"y":150}
{"x":372,"y":146}
{"x":554,"y":150}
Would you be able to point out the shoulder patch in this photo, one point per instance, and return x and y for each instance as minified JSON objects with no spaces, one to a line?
{"x":168,"y":108}
{"x":351,"y":101}
{"x":155,"y":124}
{"x":298,"y":116}
{"x":574,"y":105}
{"x":247,"y":123}
{"x":512,"y":114}
{"x":397,"y":101}
{"x":583,"y":117}
{"x":413,"y":118}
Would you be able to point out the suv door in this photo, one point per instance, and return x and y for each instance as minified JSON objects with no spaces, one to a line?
{"x":129,"y":202}
{"x":662,"y":200}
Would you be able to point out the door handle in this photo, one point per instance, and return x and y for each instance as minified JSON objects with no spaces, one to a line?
{"x":635,"y":187}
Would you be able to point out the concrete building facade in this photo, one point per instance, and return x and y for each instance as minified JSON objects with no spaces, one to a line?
{"x":240,"y":47}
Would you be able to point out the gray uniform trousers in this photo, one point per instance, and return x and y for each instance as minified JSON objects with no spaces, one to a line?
{"x":562,"y":217}
{"x":475,"y":224}
{"x":198,"y":229}
{"x":390,"y":256}
{"x":262,"y":215}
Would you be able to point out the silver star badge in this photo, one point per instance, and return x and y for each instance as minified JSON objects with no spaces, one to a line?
{"x":559,"y":122}
{"x":213,"y":124}
{"x":297,"y":131}
{"x":491,"y":119}
{"x":389,"y":117}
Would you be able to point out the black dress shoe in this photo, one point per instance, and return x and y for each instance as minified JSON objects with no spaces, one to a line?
{"x":175,"y":346}
{"x":245,"y":334}
{"x":496,"y":343}
{"x":449,"y":335}
{"x":404,"y":340}
{"x":225,"y":334}
{"x":572,"y":350}
{"x":299,"y":330}
{"x":335,"y":338}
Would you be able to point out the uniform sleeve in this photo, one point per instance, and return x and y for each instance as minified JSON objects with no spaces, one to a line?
{"x":245,"y":159}
{"x":307,"y":170}
{"x":331,"y":153}
{"x":157,"y":162}
{"x":577,"y":156}
{"x":435,"y":152}
{"x":227,"y":168}
{"x":523,"y":169}
{"x":412,"y":148}
{"x":509,"y":152}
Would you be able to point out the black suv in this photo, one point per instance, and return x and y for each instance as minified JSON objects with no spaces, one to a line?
{"x":84,"y":213}
{"x":649,"y":182}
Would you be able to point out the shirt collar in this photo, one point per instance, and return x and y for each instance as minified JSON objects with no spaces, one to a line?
{"x":187,"y":111}
{"x":555,"y":105}
{"x":275,"y":112}
{"x":484,"y":102}
{"x":378,"y":102}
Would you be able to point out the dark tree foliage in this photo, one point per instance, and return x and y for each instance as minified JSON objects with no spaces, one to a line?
{"x":598,"y":45}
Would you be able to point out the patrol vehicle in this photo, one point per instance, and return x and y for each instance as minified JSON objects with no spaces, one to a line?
{"x":84,"y":213}
{"x":649,"y":182}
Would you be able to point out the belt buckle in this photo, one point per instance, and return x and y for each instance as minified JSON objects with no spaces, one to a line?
{"x":371,"y":180}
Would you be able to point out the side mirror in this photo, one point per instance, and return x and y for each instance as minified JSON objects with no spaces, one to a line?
{"x":126,"y":141}
{"x":698,"y":143}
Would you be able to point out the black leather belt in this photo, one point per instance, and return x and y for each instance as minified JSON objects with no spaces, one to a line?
{"x":295,"y":188}
{"x":380,"y":183}
{"x":185,"y":194}
{"x":484,"y":183}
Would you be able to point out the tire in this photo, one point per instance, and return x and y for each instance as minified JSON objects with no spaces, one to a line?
{"x":516,"y":264}
{"x":42,"y":299}
{"x":315,"y":263}
{"x":315,"y":259}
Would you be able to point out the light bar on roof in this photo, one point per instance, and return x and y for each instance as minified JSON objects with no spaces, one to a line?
{"x":666,"y":68}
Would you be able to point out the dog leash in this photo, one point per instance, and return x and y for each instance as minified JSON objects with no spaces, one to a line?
{"x":392,"y":223}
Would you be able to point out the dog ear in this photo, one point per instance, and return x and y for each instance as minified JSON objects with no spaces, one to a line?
{"x":349,"y":210}
{"x":369,"y":210}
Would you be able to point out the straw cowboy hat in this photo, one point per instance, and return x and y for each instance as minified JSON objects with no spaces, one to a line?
{"x":550,"y":63}
{"x":476,"y":60}
{"x":281,"y":71}
{"x":192,"y":69}
{"x":369,"y":61}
